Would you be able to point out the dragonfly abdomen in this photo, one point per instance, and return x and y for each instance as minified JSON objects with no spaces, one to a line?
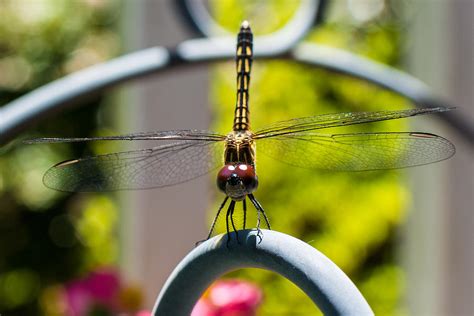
{"x":244,"y":64}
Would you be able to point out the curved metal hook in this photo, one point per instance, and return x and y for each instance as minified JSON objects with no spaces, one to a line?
{"x":64,"y":93}
{"x":400,"y":82}
{"x":327,"y":285}
{"x":273,"y":44}
{"x":19,"y":114}
{"x":197,"y":17}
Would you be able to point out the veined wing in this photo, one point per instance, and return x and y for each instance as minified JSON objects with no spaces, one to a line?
{"x":161,"y":135}
{"x":338,"y":119}
{"x":357,"y":152}
{"x":139,"y":169}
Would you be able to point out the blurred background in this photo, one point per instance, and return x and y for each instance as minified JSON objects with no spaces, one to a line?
{"x":404,"y":237}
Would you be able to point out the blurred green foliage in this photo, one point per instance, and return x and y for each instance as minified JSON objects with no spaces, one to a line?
{"x":350,"y":217}
{"x":46,"y":237}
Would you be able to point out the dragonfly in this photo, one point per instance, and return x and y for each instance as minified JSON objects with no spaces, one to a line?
{"x":301,"y":142}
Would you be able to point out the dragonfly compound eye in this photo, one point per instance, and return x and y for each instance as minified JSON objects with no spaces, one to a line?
{"x":224,"y":174}
{"x":247,"y":175}
{"x":240,"y":175}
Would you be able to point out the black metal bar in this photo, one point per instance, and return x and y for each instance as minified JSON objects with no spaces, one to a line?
{"x":18,"y":115}
{"x":420,"y":94}
{"x":63,"y":93}
{"x":199,"y":21}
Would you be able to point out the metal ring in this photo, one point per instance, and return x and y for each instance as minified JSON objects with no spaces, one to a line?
{"x":309,"y":14}
{"x":19,"y":114}
{"x":327,"y":285}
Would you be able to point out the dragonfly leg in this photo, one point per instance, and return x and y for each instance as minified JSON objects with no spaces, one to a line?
{"x":244,"y":202}
{"x":232,"y":221}
{"x":229,"y":210}
{"x":257,"y":207}
{"x":266,"y":218}
{"x":259,"y":231}
{"x":260,"y":208}
{"x":213,"y":225}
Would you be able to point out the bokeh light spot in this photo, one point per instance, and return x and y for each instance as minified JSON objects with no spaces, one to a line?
{"x":18,"y":287}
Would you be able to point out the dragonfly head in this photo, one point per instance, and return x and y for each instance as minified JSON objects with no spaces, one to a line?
{"x":237,"y":180}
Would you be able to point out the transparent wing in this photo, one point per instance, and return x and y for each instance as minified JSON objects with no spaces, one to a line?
{"x":140,"y":169}
{"x":338,"y":119}
{"x":161,"y":135}
{"x":357,"y":152}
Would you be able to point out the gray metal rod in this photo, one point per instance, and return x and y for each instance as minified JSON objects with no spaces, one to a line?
{"x":62,"y":94}
{"x":305,"y":17}
{"x":329,"y":288}
{"x":34,"y":106}
{"x":344,"y":62}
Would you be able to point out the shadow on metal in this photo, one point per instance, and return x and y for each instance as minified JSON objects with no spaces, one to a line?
{"x":329,"y":288}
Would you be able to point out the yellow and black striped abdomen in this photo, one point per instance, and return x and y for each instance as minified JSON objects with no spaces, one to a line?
{"x":244,"y":65}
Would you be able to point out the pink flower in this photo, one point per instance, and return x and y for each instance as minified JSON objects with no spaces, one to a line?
{"x":204,"y":308}
{"x":103,"y":285}
{"x":99,"y":288}
{"x":77,"y":298}
{"x":229,"y":298}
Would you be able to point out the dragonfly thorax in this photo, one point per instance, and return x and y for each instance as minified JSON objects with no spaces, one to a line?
{"x":237,"y":180}
{"x":240,"y":148}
